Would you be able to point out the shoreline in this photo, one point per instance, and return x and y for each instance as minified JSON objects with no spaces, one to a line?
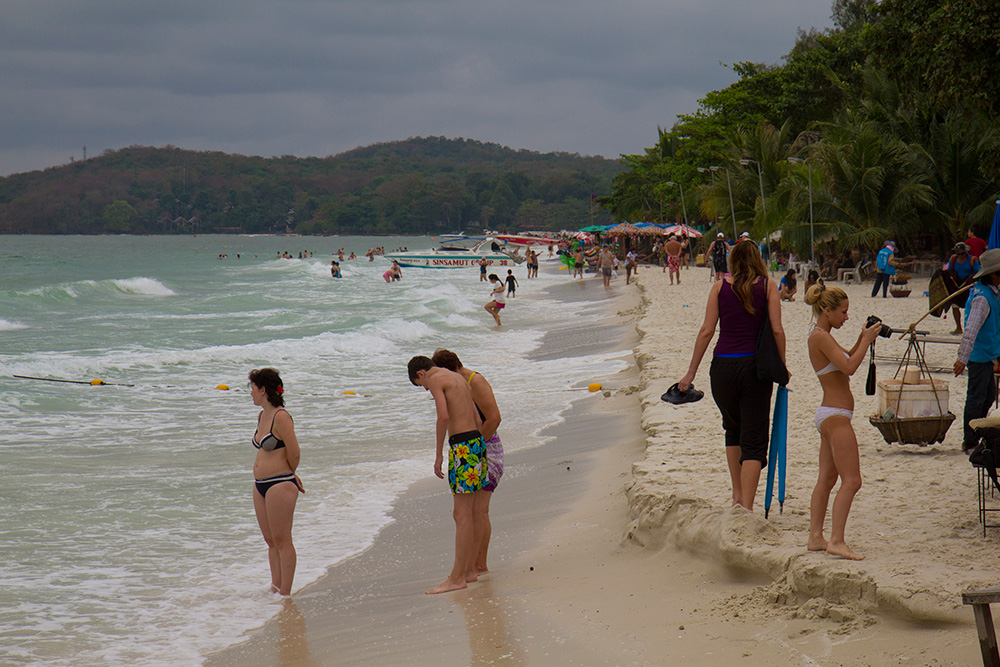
{"x":628,"y":557}
{"x":421,"y":516}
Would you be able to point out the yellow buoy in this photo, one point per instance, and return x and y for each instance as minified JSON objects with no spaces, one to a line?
{"x":96,"y":382}
{"x":350,"y":393}
{"x":222,"y":387}
{"x":594,"y":386}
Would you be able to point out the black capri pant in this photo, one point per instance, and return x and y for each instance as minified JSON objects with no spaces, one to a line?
{"x":745,"y":404}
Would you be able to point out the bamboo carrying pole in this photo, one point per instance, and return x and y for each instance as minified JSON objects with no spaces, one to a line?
{"x":943,"y":301}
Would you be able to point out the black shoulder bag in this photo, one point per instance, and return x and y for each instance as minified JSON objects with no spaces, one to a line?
{"x":769,"y":364}
{"x":987,"y":454}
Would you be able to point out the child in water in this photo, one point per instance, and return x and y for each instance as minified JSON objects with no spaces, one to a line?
{"x":498,"y":302}
{"x":511,"y":283}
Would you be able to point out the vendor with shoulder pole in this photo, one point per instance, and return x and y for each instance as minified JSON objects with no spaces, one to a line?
{"x":980,"y":346}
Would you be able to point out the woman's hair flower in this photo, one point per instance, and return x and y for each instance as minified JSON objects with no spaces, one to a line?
{"x":280,"y":389}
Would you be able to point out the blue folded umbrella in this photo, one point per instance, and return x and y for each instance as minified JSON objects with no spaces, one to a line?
{"x":994,"y":240}
{"x":777,"y":454}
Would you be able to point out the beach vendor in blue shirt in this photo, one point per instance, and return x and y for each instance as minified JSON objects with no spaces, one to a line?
{"x":885,"y":267}
{"x":962,"y":266}
{"x":980,"y":346}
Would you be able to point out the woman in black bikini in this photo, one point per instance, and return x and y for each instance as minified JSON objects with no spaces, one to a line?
{"x":276,"y":486}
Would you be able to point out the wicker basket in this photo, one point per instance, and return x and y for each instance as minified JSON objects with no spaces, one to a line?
{"x":915,"y":430}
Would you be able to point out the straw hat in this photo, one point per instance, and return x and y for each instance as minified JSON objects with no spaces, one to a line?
{"x":990,"y":263}
{"x":990,"y":421}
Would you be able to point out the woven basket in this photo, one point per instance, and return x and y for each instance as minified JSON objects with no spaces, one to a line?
{"x":915,"y":430}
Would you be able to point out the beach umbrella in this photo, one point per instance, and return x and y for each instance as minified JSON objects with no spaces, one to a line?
{"x":647,"y":229}
{"x":994,"y":240}
{"x":776,"y":460}
{"x":593,"y":228}
{"x":690,"y":231}
{"x":624,"y":228}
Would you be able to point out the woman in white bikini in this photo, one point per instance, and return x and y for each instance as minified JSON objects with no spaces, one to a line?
{"x":838,"y":450}
{"x":276,"y":486}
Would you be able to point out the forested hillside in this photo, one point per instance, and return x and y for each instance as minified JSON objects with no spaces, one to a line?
{"x":419,"y":185}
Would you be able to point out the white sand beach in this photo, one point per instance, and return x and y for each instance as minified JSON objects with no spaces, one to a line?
{"x":614,"y":543}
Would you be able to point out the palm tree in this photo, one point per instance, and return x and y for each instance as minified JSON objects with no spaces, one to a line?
{"x":873,"y":188}
{"x":951,"y":157}
{"x":768,"y":147}
{"x":949,"y":148}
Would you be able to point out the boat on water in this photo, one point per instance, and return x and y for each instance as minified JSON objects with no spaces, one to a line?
{"x":528,"y":239}
{"x":459,"y":254}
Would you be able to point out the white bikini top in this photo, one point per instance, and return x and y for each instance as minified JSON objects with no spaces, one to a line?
{"x":829,"y":368}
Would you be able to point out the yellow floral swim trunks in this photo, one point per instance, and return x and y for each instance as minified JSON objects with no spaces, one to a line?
{"x":466,"y":462}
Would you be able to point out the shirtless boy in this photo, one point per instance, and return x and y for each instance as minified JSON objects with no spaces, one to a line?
{"x":456,"y":416}
{"x":673,"y":248}
{"x":489,"y":413}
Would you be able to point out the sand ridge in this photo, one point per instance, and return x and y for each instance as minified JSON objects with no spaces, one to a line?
{"x":915,"y":518}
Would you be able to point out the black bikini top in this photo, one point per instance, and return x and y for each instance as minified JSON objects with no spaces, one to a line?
{"x":268,"y":443}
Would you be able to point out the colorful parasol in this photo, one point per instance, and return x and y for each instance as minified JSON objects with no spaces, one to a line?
{"x":687,"y":230}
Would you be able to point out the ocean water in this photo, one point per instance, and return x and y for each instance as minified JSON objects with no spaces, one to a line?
{"x":128,"y":533}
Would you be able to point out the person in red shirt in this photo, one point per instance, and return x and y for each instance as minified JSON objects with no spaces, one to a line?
{"x":976,"y":245}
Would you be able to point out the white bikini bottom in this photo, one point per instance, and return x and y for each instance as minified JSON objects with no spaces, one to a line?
{"x":824,"y":412}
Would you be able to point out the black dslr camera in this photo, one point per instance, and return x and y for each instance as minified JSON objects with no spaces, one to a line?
{"x":884,"y":332}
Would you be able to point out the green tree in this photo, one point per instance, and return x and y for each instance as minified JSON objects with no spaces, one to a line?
{"x":947,"y":48}
{"x":873,"y":187}
{"x":118,"y":217}
{"x":951,"y":148}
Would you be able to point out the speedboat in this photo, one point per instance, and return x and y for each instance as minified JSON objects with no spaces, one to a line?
{"x":459,"y":254}
{"x":528,"y":239}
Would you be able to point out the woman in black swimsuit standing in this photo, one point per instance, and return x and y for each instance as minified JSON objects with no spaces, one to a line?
{"x":276,"y":486}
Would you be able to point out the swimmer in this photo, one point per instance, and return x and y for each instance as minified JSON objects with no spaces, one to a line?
{"x":511,"y":283}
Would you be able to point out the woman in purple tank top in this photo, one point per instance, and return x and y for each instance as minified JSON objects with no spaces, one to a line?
{"x":737,"y":305}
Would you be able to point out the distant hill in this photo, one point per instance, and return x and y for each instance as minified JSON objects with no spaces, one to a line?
{"x":421,"y":185}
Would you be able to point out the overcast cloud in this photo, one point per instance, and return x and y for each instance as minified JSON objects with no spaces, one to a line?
{"x":318,"y":77}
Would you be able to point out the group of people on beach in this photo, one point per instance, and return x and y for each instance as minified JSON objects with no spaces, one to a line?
{"x":743,"y":299}
{"x":467,"y":413}
{"x":739,"y":303}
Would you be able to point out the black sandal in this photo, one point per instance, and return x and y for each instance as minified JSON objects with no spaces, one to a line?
{"x":678,"y":397}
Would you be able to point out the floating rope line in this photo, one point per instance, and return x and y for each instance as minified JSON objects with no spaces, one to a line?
{"x":95,"y":383}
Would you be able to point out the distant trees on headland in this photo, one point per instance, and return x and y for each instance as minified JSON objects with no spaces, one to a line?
{"x":421,"y":185}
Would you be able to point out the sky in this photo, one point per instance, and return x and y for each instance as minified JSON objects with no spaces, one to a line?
{"x":320,"y":77}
